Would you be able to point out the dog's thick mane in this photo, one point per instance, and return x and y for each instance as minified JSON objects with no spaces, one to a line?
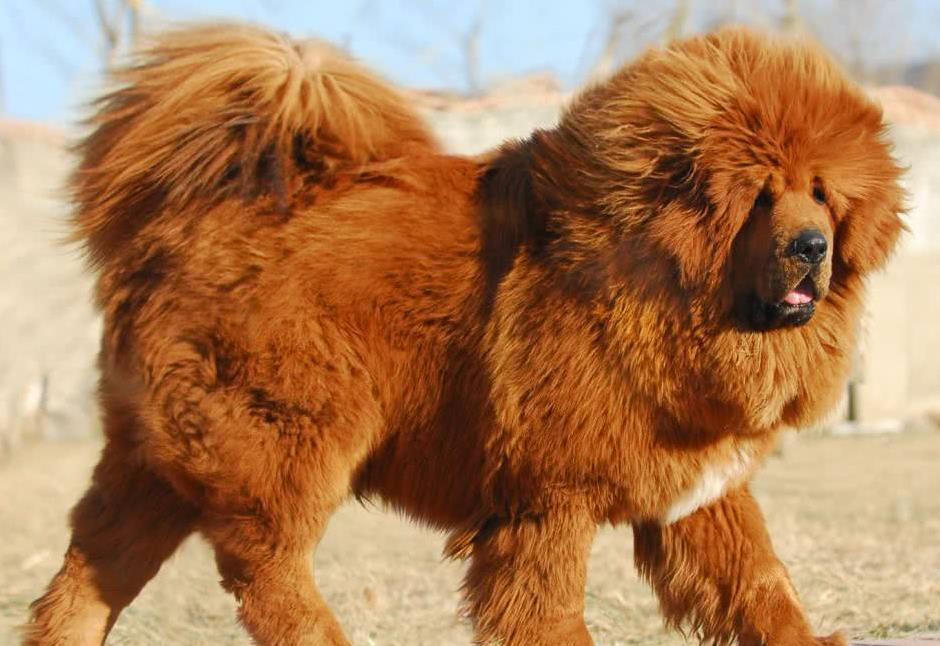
{"x":640,"y":192}
{"x":675,"y":145}
{"x":214,"y":111}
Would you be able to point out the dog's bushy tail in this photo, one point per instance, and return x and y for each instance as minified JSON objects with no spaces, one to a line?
{"x":208,"y":112}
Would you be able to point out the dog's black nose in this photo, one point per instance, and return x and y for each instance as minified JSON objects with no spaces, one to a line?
{"x":810,"y":246}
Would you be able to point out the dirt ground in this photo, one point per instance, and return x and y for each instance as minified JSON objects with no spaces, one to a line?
{"x":856,"y":519}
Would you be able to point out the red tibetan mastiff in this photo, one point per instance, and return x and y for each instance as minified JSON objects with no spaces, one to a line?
{"x":306,"y":299}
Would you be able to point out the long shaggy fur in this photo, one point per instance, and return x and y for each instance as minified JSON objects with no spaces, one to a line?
{"x":305,"y":300}
{"x":266,"y":113}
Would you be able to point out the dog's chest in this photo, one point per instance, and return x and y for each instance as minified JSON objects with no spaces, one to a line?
{"x":713,"y":480}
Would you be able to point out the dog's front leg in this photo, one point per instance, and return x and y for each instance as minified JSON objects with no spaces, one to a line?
{"x":525,"y":584}
{"x":716,"y":573}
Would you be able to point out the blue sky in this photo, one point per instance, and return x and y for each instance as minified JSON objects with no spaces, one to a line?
{"x":50,"y":63}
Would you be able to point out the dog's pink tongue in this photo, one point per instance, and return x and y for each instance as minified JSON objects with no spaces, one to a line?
{"x":800,"y":295}
{"x":797,"y":298}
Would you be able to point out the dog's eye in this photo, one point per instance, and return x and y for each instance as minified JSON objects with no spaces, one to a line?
{"x":819,"y":194}
{"x":765,"y":199}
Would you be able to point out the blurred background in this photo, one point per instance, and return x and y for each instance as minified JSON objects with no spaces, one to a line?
{"x":861,"y":536}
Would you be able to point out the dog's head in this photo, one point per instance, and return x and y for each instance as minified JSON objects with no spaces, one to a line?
{"x":752,"y":162}
{"x":782,"y":258}
{"x":813,"y":224}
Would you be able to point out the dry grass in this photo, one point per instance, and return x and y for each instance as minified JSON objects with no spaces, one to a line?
{"x":857,"y":519}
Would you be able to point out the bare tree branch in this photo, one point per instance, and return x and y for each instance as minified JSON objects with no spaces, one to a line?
{"x":791,"y":21}
{"x":680,"y":17}
{"x":618,"y":19}
{"x":119,"y":27}
{"x":470,"y":46}
{"x":109,"y":25}
{"x":133,"y":9}
{"x":468,"y":41}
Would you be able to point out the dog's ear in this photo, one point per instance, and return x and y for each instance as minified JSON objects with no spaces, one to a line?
{"x":698,"y":225}
{"x":509,"y":216}
{"x":868,"y":234}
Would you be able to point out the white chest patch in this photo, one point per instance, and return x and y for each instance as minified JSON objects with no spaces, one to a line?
{"x":712,"y":483}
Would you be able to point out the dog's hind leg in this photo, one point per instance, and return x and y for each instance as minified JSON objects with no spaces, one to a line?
{"x":269,"y":570}
{"x":265,"y":543}
{"x":291,"y":465}
{"x":264,"y":538}
{"x":124,"y":527}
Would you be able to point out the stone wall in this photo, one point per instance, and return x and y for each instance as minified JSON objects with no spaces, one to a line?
{"x":48,"y":329}
{"x":899,"y":375}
